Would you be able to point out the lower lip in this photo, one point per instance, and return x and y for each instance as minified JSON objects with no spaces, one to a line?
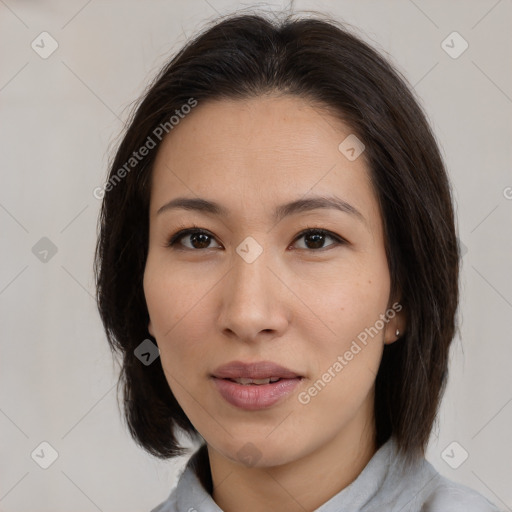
{"x":255,"y":396}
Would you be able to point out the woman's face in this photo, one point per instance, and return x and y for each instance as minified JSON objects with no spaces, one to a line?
{"x":252,"y":288}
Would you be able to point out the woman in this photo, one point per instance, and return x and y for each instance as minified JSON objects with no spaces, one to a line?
{"x":278,"y":221}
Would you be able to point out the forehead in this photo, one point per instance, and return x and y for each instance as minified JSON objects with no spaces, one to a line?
{"x":253,"y":154}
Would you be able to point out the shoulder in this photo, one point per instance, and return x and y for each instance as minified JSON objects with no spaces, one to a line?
{"x":449,"y":496}
{"x":421,"y":488}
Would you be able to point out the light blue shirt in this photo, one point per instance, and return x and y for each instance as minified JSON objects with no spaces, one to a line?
{"x":383,"y":486}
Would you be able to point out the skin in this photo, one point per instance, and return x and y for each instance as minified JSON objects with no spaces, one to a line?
{"x":296,"y":305}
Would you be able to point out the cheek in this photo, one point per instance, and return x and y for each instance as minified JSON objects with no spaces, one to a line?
{"x":178,"y":311}
{"x":346,"y":360}
{"x":170,"y":295}
{"x":172,"y":301}
{"x":347,"y":300}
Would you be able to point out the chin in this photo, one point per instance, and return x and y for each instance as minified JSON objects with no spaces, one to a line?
{"x":260,"y":452}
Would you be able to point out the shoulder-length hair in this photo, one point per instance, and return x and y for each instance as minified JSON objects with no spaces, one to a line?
{"x":320,"y":60}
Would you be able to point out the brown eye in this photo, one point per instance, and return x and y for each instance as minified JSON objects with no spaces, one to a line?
{"x":315,"y":238}
{"x":198,"y":238}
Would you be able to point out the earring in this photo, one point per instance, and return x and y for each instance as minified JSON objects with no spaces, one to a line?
{"x":397,"y":333}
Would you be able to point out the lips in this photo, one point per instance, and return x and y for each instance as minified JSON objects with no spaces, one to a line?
{"x":253,"y":386}
{"x":254,"y":371}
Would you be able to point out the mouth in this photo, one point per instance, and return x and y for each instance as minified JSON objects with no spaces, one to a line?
{"x":254,"y":386}
{"x":255,"y":373}
{"x":255,"y":382}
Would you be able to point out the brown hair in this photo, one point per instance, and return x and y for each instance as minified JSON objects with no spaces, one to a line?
{"x":242,"y":56}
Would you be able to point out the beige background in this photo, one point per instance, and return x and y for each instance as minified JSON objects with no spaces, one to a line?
{"x":61,"y":116}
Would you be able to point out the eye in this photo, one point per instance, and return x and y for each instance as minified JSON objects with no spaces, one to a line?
{"x":201,"y":239}
{"x":315,"y":237}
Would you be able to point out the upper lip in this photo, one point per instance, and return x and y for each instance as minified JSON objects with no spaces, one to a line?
{"x":258,"y":370}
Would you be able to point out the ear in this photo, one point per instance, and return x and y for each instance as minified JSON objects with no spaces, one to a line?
{"x":397,"y":320}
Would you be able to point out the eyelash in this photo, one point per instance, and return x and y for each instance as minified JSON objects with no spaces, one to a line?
{"x":174,"y":239}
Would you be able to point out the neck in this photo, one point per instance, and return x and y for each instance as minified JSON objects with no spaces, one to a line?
{"x":301,"y":485}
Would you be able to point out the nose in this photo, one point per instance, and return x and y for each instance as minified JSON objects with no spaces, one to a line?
{"x":255,"y":302}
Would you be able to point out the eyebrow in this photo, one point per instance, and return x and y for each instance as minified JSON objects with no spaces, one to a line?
{"x":281,"y":211}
